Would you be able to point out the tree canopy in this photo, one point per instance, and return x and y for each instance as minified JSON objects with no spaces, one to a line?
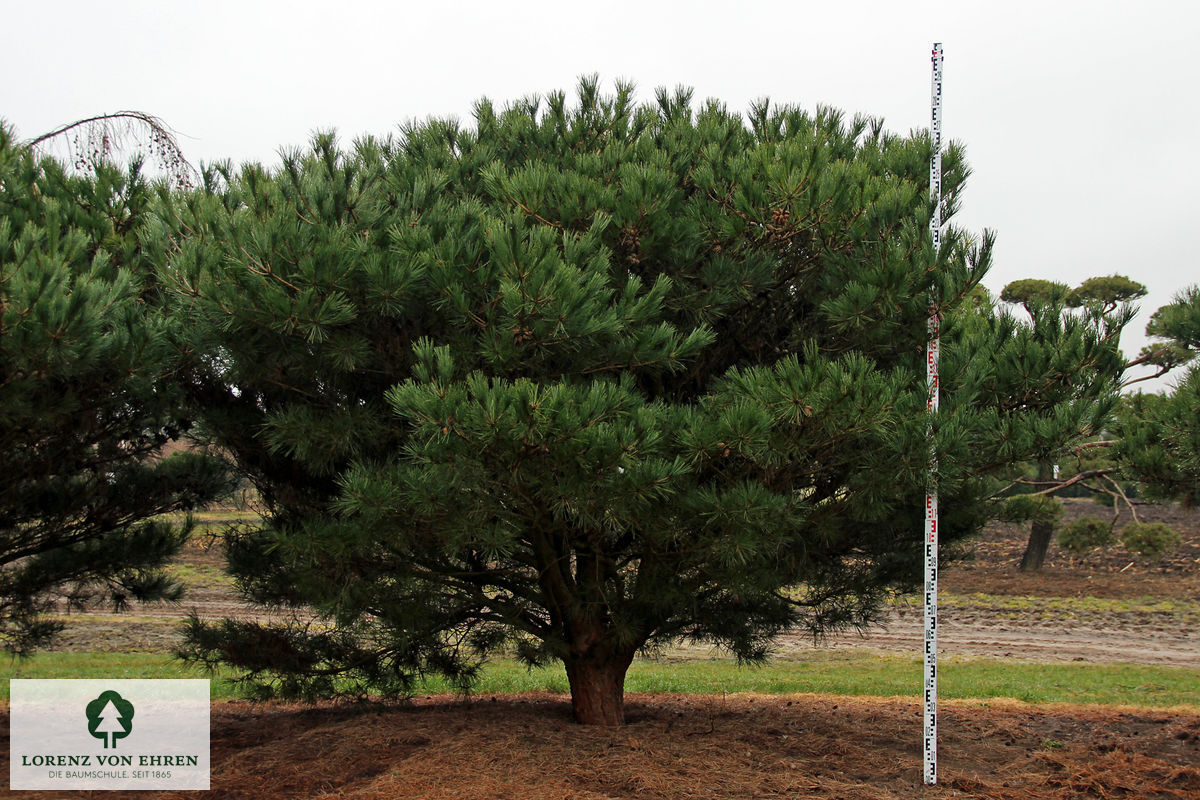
{"x":581,"y":380}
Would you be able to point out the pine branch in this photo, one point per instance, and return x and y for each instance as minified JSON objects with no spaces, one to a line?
{"x":1121,"y":492}
{"x":1059,"y":486}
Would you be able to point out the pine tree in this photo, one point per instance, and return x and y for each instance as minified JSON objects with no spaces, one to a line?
{"x":1158,"y":436}
{"x":582,"y":381}
{"x":1067,"y":361}
{"x":85,"y":401}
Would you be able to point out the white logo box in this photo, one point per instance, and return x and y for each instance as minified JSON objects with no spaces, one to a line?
{"x":145,"y":734}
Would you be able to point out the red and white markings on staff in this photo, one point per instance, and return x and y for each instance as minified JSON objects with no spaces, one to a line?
{"x":933,"y":354}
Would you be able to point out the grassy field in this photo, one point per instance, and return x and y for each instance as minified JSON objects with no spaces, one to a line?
{"x":838,"y":673}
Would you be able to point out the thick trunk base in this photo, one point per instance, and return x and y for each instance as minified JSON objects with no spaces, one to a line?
{"x":598,"y":690}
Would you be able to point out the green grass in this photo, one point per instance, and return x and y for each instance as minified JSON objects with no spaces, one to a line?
{"x":200,"y":576}
{"x":883,"y":676}
{"x":844,"y":673}
{"x":213,"y":522}
{"x":103,"y":665}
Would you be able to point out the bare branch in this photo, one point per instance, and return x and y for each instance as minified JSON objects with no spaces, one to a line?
{"x":1161,"y":371}
{"x":1058,"y":486}
{"x":92,"y":141}
{"x":1128,"y":503}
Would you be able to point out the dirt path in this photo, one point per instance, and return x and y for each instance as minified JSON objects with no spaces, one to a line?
{"x":1095,"y":638}
{"x":1106,"y":638}
{"x":1169,"y":637}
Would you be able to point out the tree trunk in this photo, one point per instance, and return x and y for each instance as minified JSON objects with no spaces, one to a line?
{"x":598,"y":688}
{"x":1040,"y":533}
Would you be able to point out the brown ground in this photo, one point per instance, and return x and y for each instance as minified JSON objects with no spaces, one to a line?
{"x":976,"y":617}
{"x":800,"y":746}
{"x":803,"y":746}
{"x":1112,"y":572}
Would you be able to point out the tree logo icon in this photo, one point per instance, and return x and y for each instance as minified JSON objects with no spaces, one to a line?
{"x":110,"y":717}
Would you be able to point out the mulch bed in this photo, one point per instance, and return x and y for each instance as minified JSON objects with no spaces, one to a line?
{"x":744,"y":746}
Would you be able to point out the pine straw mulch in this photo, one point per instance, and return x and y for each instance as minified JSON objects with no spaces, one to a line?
{"x":745,"y":746}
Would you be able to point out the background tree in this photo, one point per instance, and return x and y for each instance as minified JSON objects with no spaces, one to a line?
{"x":580,"y":382}
{"x":1066,"y":361}
{"x":85,"y":400}
{"x":1158,"y":436}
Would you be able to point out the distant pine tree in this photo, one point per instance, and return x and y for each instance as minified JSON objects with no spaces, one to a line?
{"x":1072,"y":342}
{"x":1158,"y":436}
{"x":1066,"y":361}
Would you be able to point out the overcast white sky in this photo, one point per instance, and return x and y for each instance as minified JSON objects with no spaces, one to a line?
{"x":1081,"y":119}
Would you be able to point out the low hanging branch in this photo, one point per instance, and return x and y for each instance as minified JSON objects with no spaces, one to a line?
{"x":1102,"y":476}
{"x":1058,"y":486}
{"x":1055,"y":486}
{"x":92,"y":141}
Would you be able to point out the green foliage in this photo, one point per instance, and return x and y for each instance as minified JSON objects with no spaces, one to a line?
{"x":1034,"y":292}
{"x":1071,"y":360}
{"x":1165,"y":355}
{"x":583,"y":381}
{"x":1179,"y":321}
{"x":1031,"y":508}
{"x":1159,"y":435}
{"x":1060,"y":371}
{"x":1150,"y":539}
{"x":86,"y":402}
{"x":1159,"y":441}
{"x":1106,"y":293}
{"x":1085,"y":534}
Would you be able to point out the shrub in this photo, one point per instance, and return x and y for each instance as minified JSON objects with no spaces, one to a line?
{"x":1084,"y":534}
{"x":1031,"y":508}
{"x":1150,"y":539}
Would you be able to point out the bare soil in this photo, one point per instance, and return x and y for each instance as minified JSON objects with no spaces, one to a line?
{"x":1163,"y":628}
{"x":1111,"y":572}
{"x":1159,"y":638}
